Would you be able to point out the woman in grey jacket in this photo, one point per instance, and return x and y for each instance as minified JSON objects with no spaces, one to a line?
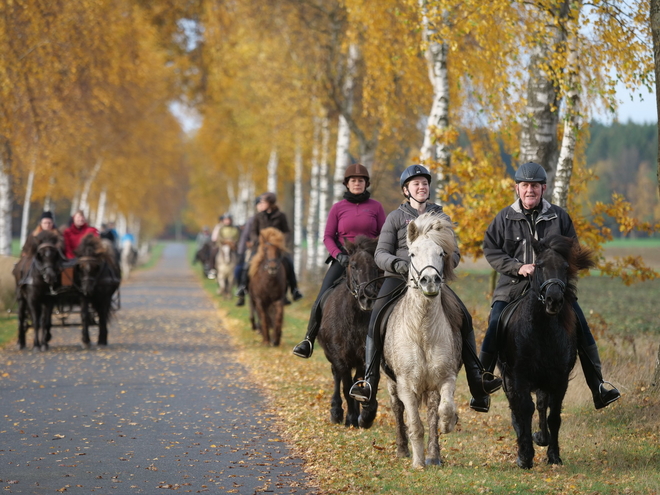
{"x":393,"y":258}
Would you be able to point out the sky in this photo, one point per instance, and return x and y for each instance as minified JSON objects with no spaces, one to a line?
{"x":633,"y":108}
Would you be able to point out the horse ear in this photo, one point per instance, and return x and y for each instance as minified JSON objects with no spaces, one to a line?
{"x":413,"y":232}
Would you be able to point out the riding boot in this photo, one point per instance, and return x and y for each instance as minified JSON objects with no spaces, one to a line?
{"x":365,"y":391}
{"x":242,"y":288}
{"x":591,"y":366}
{"x":305,"y":348}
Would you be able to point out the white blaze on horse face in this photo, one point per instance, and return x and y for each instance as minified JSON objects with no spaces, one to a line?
{"x":426,"y":265}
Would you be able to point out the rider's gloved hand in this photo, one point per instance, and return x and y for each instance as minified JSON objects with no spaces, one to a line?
{"x":401,"y":267}
{"x":343,"y":259}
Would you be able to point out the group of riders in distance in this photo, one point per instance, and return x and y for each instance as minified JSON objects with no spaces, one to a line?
{"x":384,"y":304}
{"x":75,"y":270}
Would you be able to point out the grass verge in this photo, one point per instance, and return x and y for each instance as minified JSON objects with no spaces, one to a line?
{"x":611,"y":451}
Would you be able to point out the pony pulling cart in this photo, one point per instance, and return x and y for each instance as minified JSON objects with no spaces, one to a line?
{"x":54,"y":292}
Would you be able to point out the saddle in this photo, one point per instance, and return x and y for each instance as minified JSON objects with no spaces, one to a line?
{"x":381,"y":326}
{"x":505,"y":317}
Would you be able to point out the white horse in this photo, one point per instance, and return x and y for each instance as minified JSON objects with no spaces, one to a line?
{"x":225,"y":263}
{"x":423,"y":341}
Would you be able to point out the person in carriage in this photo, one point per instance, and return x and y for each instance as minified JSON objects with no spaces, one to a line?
{"x":46,"y":223}
{"x":393,"y":258}
{"x":354,"y":215}
{"x":508,"y":249}
{"x":76,"y":232}
{"x":269,"y":216}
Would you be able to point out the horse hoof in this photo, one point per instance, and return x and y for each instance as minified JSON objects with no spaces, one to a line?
{"x":43,"y":348}
{"x":555,"y":460}
{"x":527,"y":464}
{"x":85,"y":345}
{"x":102,"y":344}
{"x":403,"y":452}
{"x":434,"y":462}
{"x":539,"y":439}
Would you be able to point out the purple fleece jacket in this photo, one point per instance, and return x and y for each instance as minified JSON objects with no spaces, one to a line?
{"x":347,"y":220}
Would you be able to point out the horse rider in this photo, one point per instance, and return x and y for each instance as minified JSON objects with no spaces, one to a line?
{"x":244,"y":246}
{"x":393,"y":258}
{"x":203,"y":237}
{"x":508,"y":249}
{"x":354,"y":215}
{"x":270,"y":216}
{"x":46,"y":222}
{"x":225,"y":232}
{"x":76,"y":232}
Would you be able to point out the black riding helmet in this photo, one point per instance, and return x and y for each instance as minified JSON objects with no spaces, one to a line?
{"x":531,"y":172}
{"x":415,"y":171}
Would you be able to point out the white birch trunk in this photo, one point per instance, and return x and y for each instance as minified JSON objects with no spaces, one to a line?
{"x":84,"y":195}
{"x":654,"y":12}
{"x":100,"y":208}
{"x":343,"y":131}
{"x":121,"y":225}
{"x":324,"y":193}
{"x":297,"y":211}
{"x":436,"y":152}
{"x":272,"y":171}
{"x":26,"y":207}
{"x":48,"y":203}
{"x":75,"y":202}
{"x":312,"y":224}
{"x":6,"y":198}
{"x":572,"y":120}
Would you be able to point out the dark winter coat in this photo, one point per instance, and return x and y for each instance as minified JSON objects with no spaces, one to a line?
{"x":508,"y":243}
{"x":276,"y":218}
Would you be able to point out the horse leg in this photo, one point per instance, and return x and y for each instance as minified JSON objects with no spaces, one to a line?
{"x":84,"y":316}
{"x":433,"y":446}
{"x":278,"y":318}
{"x":22,"y":322}
{"x":35,"y":314}
{"x":447,"y":407}
{"x":522,"y":409}
{"x":554,"y":423}
{"x":263,"y":321}
{"x":103,"y":311}
{"x":398,"y":409}
{"x":336,"y":410}
{"x":415,"y":427}
{"x":541,"y":437}
{"x":48,"y":321}
{"x":352,"y":406}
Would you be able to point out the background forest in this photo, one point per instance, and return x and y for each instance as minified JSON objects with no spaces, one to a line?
{"x":283,"y":95}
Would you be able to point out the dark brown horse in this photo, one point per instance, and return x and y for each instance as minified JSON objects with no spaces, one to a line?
{"x":206,"y":256}
{"x":97,"y":277}
{"x":37,"y":276}
{"x":344,"y":325}
{"x":268,"y":285}
{"x":539,"y":345}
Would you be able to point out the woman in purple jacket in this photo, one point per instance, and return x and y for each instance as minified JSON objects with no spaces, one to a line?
{"x":355,"y":215}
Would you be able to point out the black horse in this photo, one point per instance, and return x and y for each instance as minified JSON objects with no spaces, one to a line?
{"x":344,"y":324}
{"x":97,"y":278}
{"x":206,"y":256}
{"x":539,"y":345}
{"x":37,"y":276}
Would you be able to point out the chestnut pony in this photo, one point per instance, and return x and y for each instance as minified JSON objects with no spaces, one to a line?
{"x":267,"y":285}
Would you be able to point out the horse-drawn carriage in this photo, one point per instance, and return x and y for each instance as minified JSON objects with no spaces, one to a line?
{"x":52,"y":291}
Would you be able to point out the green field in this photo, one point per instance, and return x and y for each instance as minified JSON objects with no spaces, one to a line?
{"x":611,"y":451}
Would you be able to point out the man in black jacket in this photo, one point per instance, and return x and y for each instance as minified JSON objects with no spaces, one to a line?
{"x":508,"y":249}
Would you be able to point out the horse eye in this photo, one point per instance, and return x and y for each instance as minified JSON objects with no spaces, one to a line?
{"x":412,"y":255}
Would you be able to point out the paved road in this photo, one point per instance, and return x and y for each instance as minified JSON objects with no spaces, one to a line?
{"x":164,"y":406}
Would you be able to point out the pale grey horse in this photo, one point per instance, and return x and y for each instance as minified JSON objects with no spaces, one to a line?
{"x":225,"y":262}
{"x":423,"y":343}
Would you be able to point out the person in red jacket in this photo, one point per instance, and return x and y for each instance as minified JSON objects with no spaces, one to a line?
{"x":76,"y":232}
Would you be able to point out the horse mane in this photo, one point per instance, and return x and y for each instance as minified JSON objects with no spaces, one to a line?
{"x":32,"y":243}
{"x":93,"y":247}
{"x":269,"y":235}
{"x":439,"y":230}
{"x":362,"y":243}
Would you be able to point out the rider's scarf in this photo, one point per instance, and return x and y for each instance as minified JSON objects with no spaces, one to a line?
{"x":356,"y":198}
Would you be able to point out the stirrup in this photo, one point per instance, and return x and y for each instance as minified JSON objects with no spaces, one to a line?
{"x":358,"y":389}
{"x":615,"y":396}
{"x":494,"y":380}
{"x":298,"y":351}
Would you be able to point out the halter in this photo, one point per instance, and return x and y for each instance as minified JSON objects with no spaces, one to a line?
{"x":414,"y":271}
{"x":548,"y":283}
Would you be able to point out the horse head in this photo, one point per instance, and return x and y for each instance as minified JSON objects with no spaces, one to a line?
{"x":558,"y":261}
{"x":431,"y":245}
{"x":92,"y":260}
{"x":48,"y":256}
{"x":362,"y":273}
{"x":269,"y":255}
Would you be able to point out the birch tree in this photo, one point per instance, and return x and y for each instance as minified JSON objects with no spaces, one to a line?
{"x":26,"y":206}
{"x":313,"y":207}
{"x":655,"y":34}
{"x":434,"y":150}
{"x":298,"y":210}
{"x":324,"y":193}
{"x":273,"y":163}
{"x":6,"y":199}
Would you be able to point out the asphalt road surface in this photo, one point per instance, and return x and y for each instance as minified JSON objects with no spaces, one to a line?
{"x":165,"y":406}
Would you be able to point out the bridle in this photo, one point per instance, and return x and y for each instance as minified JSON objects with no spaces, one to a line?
{"x":416,"y":274}
{"x":548,"y":283}
{"x":272,"y":265}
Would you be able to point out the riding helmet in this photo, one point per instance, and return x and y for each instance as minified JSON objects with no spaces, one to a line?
{"x":269,"y":197}
{"x":356,"y":170}
{"x":531,"y":172}
{"x":414,"y":171}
